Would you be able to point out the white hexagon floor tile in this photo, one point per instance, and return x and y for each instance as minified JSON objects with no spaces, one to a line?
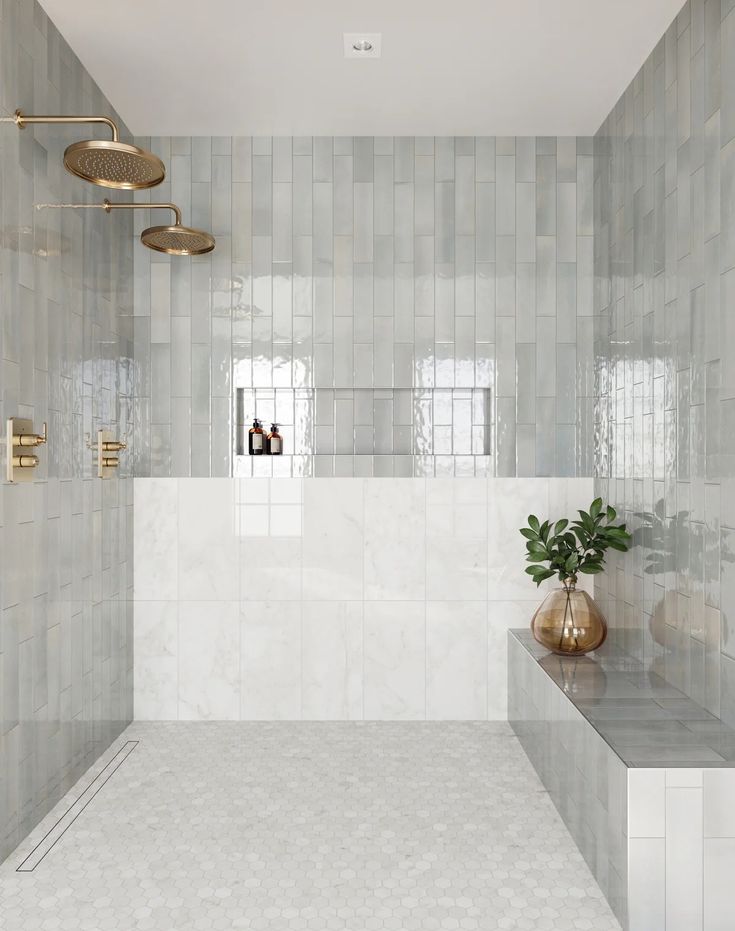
{"x":310,"y":827}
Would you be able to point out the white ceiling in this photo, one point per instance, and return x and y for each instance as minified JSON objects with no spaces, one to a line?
{"x":448,"y":67}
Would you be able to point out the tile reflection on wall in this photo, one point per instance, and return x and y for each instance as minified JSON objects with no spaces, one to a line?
{"x":66,"y":348}
{"x":664,"y":350}
{"x":334,"y":599}
{"x":377,"y":297}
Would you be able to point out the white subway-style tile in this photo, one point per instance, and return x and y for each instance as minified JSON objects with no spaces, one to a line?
{"x":719,"y":803}
{"x":719,"y":864}
{"x":646,"y":803}
{"x":647,"y":884}
{"x":684,"y":866}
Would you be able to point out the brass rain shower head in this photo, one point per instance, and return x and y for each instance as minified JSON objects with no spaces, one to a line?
{"x":107,"y":162}
{"x":174,"y":240}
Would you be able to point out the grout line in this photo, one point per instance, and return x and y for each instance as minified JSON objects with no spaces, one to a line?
{"x":178,"y":599}
{"x":426,"y":600}
{"x":129,"y":745}
{"x":363,"y":496}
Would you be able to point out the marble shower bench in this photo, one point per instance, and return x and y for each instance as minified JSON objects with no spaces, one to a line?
{"x":643,"y":777}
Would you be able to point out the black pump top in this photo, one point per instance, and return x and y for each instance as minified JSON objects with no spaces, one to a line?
{"x":274,"y":427}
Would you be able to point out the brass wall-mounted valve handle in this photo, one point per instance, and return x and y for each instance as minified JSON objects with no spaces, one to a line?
{"x":25,"y":462}
{"x":30,"y":439}
{"x":106,"y":443}
{"x":20,"y":435}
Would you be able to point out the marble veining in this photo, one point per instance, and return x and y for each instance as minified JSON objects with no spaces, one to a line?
{"x":344,"y":599}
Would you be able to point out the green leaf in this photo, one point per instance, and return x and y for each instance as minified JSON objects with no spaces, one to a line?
{"x":591,"y":569}
{"x":581,"y":535}
{"x":587,"y":522}
{"x":542,"y":576}
{"x":529,"y":534}
{"x":595,"y":508}
{"x":572,"y":562}
{"x":533,"y":522}
{"x":536,"y":557}
{"x":561,"y":525}
{"x":611,"y":514}
{"x":621,"y":547}
{"x":535,"y":546}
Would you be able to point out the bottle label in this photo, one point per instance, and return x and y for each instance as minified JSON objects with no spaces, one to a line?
{"x":257,"y":440}
{"x":276,"y":445}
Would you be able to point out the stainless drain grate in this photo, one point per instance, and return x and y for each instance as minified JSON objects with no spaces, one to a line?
{"x":56,"y":832}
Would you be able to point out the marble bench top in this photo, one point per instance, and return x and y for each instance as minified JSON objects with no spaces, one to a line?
{"x":643,"y":718}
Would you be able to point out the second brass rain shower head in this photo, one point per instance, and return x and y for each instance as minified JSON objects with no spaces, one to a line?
{"x":106,"y":162}
{"x":173,"y":240}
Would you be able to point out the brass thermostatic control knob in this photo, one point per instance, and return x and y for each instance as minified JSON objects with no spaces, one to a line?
{"x":19,"y":434}
{"x":30,"y":439}
{"x":107,"y":443}
{"x":25,"y":462}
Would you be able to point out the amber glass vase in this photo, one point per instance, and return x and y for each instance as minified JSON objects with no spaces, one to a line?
{"x":569,"y":622}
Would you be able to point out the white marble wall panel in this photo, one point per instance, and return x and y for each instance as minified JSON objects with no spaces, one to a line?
{"x":354,"y":598}
{"x":156,"y":555}
{"x":209,"y":660}
{"x":207,"y":541}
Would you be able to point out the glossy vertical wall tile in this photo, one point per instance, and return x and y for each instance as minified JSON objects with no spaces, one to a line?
{"x":66,"y":357}
{"x":664,"y":345}
{"x":401,"y":307}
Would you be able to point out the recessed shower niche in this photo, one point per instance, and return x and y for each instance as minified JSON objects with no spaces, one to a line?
{"x":368,"y":431}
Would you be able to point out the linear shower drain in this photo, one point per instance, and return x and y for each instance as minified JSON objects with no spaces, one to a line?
{"x":56,"y":832}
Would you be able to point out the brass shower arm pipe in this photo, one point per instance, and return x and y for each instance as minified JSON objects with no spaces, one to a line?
{"x":107,"y":206}
{"x":133,"y":206}
{"x":21,"y":119}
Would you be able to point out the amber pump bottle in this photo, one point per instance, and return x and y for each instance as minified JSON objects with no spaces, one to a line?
{"x":274,"y":442}
{"x":256,"y":438}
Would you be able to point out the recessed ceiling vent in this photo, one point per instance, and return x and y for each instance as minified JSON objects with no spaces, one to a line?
{"x":362,"y":44}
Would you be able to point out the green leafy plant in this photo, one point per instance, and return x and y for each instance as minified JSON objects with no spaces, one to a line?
{"x":565,"y":548}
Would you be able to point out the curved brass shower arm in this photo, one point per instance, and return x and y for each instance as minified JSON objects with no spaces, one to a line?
{"x":107,"y":206}
{"x":21,"y":119}
{"x":133,"y":206}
